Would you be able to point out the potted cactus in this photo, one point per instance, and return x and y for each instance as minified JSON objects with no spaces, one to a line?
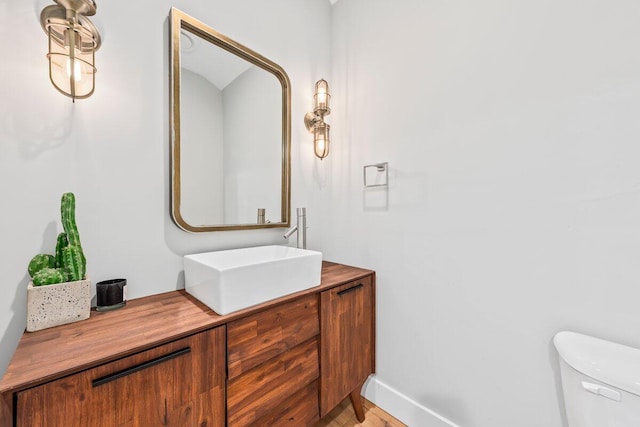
{"x":59,"y":291}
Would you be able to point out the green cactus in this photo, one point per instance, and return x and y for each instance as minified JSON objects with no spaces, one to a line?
{"x":69,"y":262}
{"x":61,"y":243}
{"x":39,"y":262}
{"x":68,"y":214}
{"x":48,"y":276}
{"x":64,"y":274}
{"x":73,"y":265}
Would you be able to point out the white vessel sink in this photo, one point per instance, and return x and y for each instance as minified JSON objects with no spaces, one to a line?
{"x":227,"y":281}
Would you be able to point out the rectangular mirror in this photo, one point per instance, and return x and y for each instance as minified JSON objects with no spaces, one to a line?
{"x":231,"y":131}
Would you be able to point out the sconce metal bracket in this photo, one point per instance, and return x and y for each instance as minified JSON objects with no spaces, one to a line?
{"x":57,"y":14}
{"x":310,"y":120}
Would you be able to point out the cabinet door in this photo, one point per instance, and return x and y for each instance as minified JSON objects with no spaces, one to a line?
{"x":177,"y":384}
{"x":347,"y":334}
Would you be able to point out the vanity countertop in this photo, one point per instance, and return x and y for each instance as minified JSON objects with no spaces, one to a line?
{"x":143,"y":323}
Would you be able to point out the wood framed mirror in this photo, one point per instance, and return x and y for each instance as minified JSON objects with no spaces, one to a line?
{"x":231,"y":132}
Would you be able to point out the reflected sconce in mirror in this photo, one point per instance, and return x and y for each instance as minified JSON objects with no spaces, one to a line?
{"x":73,"y":41}
{"x":314,"y":121}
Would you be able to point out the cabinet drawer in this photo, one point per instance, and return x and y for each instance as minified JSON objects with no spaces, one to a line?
{"x":299,"y":410}
{"x":258,"y":392}
{"x":262,"y":336}
{"x":176,"y":384}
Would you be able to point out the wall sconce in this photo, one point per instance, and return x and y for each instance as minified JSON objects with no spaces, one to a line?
{"x":73,"y":41}
{"x":314,"y":121}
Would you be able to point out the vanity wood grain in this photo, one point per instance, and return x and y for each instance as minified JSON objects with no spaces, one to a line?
{"x":348,"y":334}
{"x":262,"y":336}
{"x":299,"y":410}
{"x":145,"y":323}
{"x":273,"y":356}
{"x":177,"y":384}
{"x":255,"y":394}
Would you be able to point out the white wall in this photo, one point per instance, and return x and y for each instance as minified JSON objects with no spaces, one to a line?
{"x":512,"y":133}
{"x":201,"y":150}
{"x":253,"y":147}
{"x":112,"y":149}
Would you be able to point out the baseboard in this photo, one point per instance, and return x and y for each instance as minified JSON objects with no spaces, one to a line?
{"x":402,"y":407}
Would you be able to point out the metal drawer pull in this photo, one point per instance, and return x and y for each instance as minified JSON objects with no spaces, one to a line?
{"x":351,"y":289}
{"x":140,"y":367}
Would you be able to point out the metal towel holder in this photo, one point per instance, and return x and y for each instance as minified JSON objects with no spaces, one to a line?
{"x":381,"y":167}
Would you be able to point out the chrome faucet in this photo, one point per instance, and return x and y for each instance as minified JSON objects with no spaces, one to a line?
{"x":301,"y":228}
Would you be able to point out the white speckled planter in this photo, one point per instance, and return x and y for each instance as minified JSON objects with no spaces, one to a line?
{"x":54,"y":305}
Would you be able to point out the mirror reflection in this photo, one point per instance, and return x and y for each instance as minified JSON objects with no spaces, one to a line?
{"x":231,"y":133}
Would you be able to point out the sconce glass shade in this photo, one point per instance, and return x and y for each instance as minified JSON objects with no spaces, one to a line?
{"x":314,"y":121}
{"x":73,"y":40}
{"x":321,"y":140}
{"x":72,"y":70}
{"x":322,"y":98}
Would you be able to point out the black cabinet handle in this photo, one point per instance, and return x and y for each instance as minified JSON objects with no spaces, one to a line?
{"x":140,"y":367}
{"x":351,"y":289}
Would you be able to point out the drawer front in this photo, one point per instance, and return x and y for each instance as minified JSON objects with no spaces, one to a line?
{"x":260,"y":391}
{"x":262,"y":336}
{"x":178,"y":384}
{"x":299,"y":410}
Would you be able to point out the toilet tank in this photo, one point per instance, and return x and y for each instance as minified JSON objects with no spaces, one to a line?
{"x":600,"y":381}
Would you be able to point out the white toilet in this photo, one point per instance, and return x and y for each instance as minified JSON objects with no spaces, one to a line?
{"x":600,"y":380}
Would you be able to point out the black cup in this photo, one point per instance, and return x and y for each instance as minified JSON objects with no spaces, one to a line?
{"x":111,"y":294}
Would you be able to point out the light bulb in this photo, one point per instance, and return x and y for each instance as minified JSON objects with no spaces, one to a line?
{"x":321,"y":140}
{"x":322,"y":97}
{"x":77,"y":69}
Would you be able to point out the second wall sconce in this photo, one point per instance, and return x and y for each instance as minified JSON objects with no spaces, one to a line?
{"x":73,"y":41}
{"x":314,"y":121}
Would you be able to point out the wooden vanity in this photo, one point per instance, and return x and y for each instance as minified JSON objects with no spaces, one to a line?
{"x":168,"y":360}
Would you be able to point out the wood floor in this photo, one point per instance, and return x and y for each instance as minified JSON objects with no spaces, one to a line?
{"x":343,"y":416}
